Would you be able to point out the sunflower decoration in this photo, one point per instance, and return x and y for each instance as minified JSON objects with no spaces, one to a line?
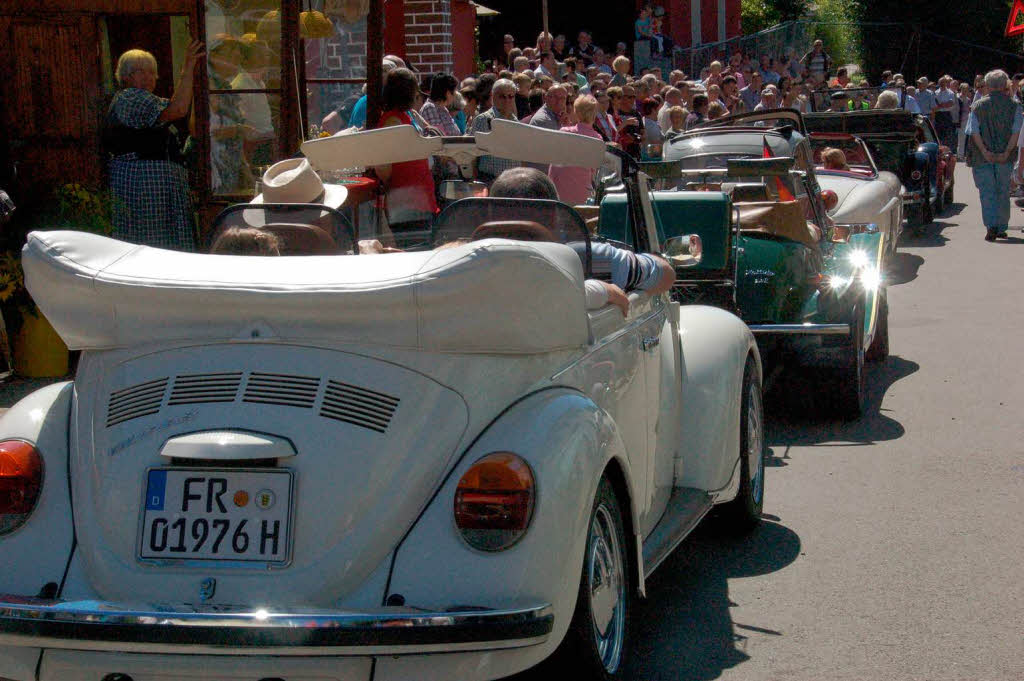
{"x":268,"y":28}
{"x":314,"y":25}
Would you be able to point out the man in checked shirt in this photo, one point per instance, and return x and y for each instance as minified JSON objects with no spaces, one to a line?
{"x":503,"y":105}
{"x":435,"y":109}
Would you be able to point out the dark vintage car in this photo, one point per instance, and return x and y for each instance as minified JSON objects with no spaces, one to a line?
{"x":903,"y":143}
{"x":812,"y":295}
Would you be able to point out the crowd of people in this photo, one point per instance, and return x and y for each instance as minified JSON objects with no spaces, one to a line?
{"x":578,"y":88}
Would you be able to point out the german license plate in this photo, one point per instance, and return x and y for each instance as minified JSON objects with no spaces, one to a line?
{"x":210,"y":514}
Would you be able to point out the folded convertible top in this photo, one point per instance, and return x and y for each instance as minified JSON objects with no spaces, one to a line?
{"x":492,"y":296}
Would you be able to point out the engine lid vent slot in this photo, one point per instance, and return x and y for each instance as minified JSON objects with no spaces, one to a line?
{"x":135,"y":401}
{"x":358,"y":406}
{"x":282,"y":389}
{"x":205,"y":388}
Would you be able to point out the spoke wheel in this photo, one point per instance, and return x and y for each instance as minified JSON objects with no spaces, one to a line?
{"x":850,"y":390}
{"x":595,"y":645}
{"x":743,"y":513}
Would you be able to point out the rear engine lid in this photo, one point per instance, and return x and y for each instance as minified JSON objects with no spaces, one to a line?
{"x":341,"y":451}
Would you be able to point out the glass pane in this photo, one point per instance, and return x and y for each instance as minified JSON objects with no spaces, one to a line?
{"x":243,"y":140}
{"x":334,"y":32}
{"x":243,"y":44}
{"x":331,"y":106}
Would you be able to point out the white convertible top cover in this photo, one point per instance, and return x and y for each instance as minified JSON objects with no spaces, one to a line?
{"x":492,"y":296}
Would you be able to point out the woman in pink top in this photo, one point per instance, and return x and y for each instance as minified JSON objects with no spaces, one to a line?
{"x":574,"y":183}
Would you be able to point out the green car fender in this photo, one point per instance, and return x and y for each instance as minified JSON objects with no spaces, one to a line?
{"x":774,"y":278}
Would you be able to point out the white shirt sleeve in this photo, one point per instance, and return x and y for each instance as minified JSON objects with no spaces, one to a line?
{"x":596,"y":294}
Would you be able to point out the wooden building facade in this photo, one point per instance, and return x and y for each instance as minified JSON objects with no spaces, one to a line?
{"x":274,"y":69}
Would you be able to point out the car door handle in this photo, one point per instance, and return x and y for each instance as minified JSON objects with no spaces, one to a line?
{"x":650,"y":342}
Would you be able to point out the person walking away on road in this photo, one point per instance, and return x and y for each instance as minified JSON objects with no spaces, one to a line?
{"x":993,"y":128}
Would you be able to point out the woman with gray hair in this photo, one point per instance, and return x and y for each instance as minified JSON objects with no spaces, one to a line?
{"x":887,"y":100}
{"x":148,"y":179}
{"x":992,"y":130}
{"x":574,"y":183}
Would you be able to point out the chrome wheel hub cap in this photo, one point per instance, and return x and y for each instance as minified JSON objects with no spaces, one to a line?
{"x":755,"y":444}
{"x":607,"y":583}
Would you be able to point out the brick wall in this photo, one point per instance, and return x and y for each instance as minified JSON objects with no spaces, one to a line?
{"x":428,"y":35}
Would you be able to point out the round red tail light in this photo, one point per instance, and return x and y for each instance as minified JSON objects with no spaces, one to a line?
{"x":830,"y":199}
{"x":494,"y":501}
{"x":21,"y":480}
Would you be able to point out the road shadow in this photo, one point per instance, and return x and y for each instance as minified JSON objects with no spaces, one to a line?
{"x":927,"y":236}
{"x":683,"y":630}
{"x":953,"y":210}
{"x":902,"y":268}
{"x":800,"y":413}
{"x":1011,"y":240}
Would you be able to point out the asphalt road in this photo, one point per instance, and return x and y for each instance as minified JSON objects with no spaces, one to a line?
{"x":893,"y":546}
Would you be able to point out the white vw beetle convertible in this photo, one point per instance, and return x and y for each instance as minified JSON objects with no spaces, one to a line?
{"x":421,"y":465}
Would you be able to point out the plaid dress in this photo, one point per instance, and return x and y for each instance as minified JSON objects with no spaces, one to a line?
{"x":151,"y":198}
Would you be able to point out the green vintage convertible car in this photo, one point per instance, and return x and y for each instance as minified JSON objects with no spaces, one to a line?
{"x":812,"y":294}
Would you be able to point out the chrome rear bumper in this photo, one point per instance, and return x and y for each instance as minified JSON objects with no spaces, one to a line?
{"x":801,"y":329}
{"x":94,"y":625}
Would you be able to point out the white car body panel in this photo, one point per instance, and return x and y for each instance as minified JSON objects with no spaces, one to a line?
{"x":652,"y":401}
{"x":865,"y":200}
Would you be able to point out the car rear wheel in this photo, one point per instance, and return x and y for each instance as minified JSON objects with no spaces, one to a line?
{"x":850,"y":391}
{"x":940,"y":200}
{"x":879,"y":349}
{"x":743,"y":513}
{"x":596,"y":641}
{"x":915,"y":221}
{"x":927,"y":214}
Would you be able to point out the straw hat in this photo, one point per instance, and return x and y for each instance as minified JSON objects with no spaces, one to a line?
{"x":294,"y":181}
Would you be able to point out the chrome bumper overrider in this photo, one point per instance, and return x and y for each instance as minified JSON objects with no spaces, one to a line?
{"x":808,"y":329}
{"x":94,"y":625}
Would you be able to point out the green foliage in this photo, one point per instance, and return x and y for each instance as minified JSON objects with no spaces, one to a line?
{"x":978,"y":22}
{"x":757,"y":15}
{"x":80,"y":208}
{"x":838,"y":30}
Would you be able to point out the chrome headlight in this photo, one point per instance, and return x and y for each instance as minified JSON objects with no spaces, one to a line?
{"x":844,"y":231}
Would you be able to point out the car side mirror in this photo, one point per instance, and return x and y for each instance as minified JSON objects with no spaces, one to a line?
{"x":684,"y":251}
{"x":453,"y":190}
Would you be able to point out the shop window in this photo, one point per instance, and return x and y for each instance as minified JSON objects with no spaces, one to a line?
{"x":243,"y":47}
{"x":334,"y":46}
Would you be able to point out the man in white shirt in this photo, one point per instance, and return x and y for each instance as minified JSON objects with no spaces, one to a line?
{"x":946,"y":112}
{"x":925,"y":97}
{"x":673,"y":97}
{"x":548,"y":67}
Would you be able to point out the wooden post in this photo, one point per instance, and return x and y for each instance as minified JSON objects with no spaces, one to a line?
{"x":374,"y":56}
{"x":544,"y":14}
